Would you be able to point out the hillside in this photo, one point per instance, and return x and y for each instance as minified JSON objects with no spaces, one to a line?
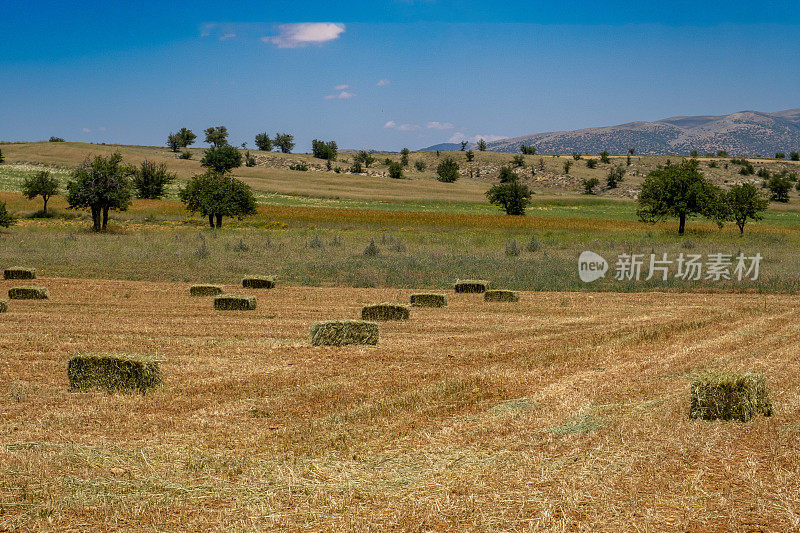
{"x":748,"y":133}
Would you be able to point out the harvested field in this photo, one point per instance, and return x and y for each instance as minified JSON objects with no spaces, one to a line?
{"x":501,"y":296}
{"x":569,"y":412}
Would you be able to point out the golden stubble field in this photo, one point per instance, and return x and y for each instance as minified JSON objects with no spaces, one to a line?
{"x":565,"y":411}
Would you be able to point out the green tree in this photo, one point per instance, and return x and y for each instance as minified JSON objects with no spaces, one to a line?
{"x":173,"y":142}
{"x":447,"y":170}
{"x":794,"y":156}
{"x":779,"y":186}
{"x":615,"y":175}
{"x":404,"y":156}
{"x":589,"y":185}
{"x":216,"y":136}
{"x":217,"y":195}
{"x":6,"y":219}
{"x":510,"y":194}
{"x":364,"y":157}
{"x":463,"y":145}
{"x":263,"y":142}
{"x":693,"y":153}
{"x":470,"y":156}
{"x":151,"y":180}
{"x":40,"y":184}
{"x":324,"y":150}
{"x":527,"y":150}
{"x":591,"y":163}
{"x":395,"y":170}
{"x":222,"y":159}
{"x":2,"y":159}
{"x":780,"y":155}
{"x":249,"y":160}
{"x":185,"y":137}
{"x":55,"y":139}
{"x":679,"y":191}
{"x":481,"y":145}
{"x":100,"y":184}
{"x":285,"y":142}
{"x":567,"y":166}
{"x":518,"y":161}
{"x":744,"y":202}
{"x":604,"y":157}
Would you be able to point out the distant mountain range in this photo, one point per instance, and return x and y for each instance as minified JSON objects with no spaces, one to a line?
{"x":744,"y":133}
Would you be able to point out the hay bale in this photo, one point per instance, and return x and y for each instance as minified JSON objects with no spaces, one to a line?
{"x":232,"y":302}
{"x":258,"y":282}
{"x":3,"y":306}
{"x":497,"y":295}
{"x":19,"y":273}
{"x":428,"y":299}
{"x":205,"y":290}
{"x":471,"y":285}
{"x":385,"y":311}
{"x":28,"y":293}
{"x":729,"y":396}
{"x":112,"y":372}
{"x":341,"y":332}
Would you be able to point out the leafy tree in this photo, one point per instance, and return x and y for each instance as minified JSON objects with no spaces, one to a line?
{"x":100,"y":184}
{"x":356,"y":167}
{"x":395,"y":170}
{"x":447,"y":170}
{"x":591,"y":163}
{"x":217,"y":195}
{"x":604,"y":157}
{"x":693,"y":153}
{"x":615,"y":175}
{"x":463,"y":145}
{"x":744,"y":202}
{"x":780,"y":155}
{"x":40,"y":184}
{"x":794,"y":156}
{"x":55,"y":139}
{"x":173,"y":142}
{"x":518,"y":161}
{"x":470,"y":156}
{"x":481,"y":145}
{"x":324,"y":150}
{"x":6,"y":219}
{"x":151,"y":179}
{"x":404,"y":156}
{"x":263,"y":142}
{"x":510,"y":194}
{"x":222,"y":159}
{"x":527,"y":150}
{"x":567,"y":165}
{"x":679,"y":191}
{"x":216,"y":136}
{"x":249,"y":160}
{"x":420,"y":165}
{"x":589,"y":185}
{"x":779,"y":186}
{"x":507,"y":175}
{"x":722,"y":153}
{"x":185,"y":137}
{"x":284,"y":141}
{"x":631,"y":151}
{"x":364,"y":157}
{"x":576,"y":156}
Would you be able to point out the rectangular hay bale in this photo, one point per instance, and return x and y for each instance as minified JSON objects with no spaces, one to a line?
{"x":19,"y":273}
{"x":341,"y":332}
{"x":474,"y":286}
{"x":113,"y":372}
{"x":729,"y":396}
{"x":205,"y":290}
{"x":233,"y":302}
{"x":428,"y":299}
{"x":258,"y":282}
{"x":28,"y":293}
{"x":496,"y":295}
{"x":385,"y":311}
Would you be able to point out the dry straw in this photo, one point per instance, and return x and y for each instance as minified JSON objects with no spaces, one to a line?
{"x":258,"y":282}
{"x":19,"y":273}
{"x":112,"y":372}
{"x":428,"y":299}
{"x":501,"y":296}
{"x":341,"y":332}
{"x":28,"y":293}
{"x":729,"y":396}
{"x":471,"y":285}
{"x":385,"y":311}
{"x":205,"y":290}
{"x":3,"y":306}
{"x":232,"y":302}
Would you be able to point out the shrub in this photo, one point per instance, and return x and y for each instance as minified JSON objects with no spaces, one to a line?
{"x":780,"y":155}
{"x":576,"y":156}
{"x":428,"y":300}
{"x":567,"y":166}
{"x":395,"y":170}
{"x":518,"y":161}
{"x":364,"y":157}
{"x":19,"y":273}
{"x":470,"y":156}
{"x":343,"y":332}
{"x":471,"y":286}
{"x":763,"y":173}
{"x":315,"y":242}
{"x":249,"y":160}
{"x":722,"y":153}
{"x":404,"y":156}
{"x":222,"y":158}
{"x":591,"y":163}
{"x":56,"y":140}
{"x":2,"y":159}
{"x":205,"y":290}
{"x":113,"y":372}
{"x":615,"y":176}
{"x":604,"y":157}
{"x":589,"y":185}
{"x":481,"y":145}
{"x":420,"y":165}
{"x":233,"y":302}
{"x":385,"y":311}
{"x":263,"y":142}
{"x":324,"y":150}
{"x":512,"y":196}
{"x":151,"y":180}
{"x":447,"y":170}
{"x":729,"y":396}
{"x":355,"y":168}
{"x":372,"y":249}
{"x":186,"y":154}
{"x":259,"y":282}
{"x":28,"y":293}
{"x":533,"y":244}
{"x":794,"y":156}
{"x":6,"y":219}
{"x":301,"y":167}
{"x":500,"y":296}
{"x":512,"y":250}
{"x":527,"y":150}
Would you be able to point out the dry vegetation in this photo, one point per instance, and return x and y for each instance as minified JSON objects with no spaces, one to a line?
{"x":565,"y":411}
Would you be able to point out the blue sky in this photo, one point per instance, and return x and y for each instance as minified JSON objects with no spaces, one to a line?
{"x":385,"y":74}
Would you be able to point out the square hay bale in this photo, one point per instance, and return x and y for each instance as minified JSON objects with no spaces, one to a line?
{"x":205,"y":290}
{"x":385,"y":311}
{"x":3,"y":306}
{"x":19,"y":273}
{"x":729,"y":396}
{"x":428,"y":299}
{"x":497,"y":295}
{"x":113,"y":372}
{"x":233,"y":302}
{"x":341,"y":332}
{"x":258,"y":282}
{"x":28,"y":293}
{"x":474,"y":286}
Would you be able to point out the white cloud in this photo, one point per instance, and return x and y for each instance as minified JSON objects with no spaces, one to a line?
{"x":86,"y":130}
{"x":205,"y":31}
{"x":227,"y":36}
{"x":341,"y":87}
{"x":383,"y":82}
{"x":392,"y":125}
{"x":458,"y":137}
{"x":304,"y":33}
{"x":439,"y":126}
{"x":344,"y":95}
